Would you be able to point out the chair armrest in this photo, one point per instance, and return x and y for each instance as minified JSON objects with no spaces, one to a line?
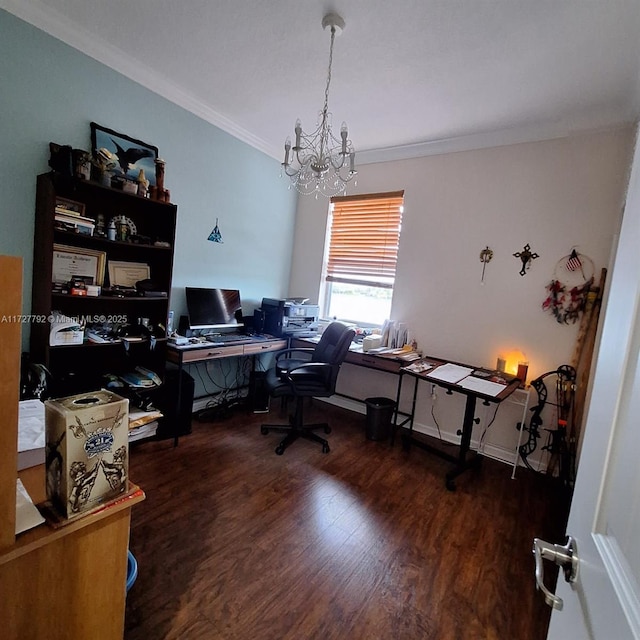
{"x":287,"y":352}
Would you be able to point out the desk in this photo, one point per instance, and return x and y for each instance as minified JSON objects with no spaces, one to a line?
{"x":358,"y":358}
{"x":463,"y":461}
{"x":204,"y":352}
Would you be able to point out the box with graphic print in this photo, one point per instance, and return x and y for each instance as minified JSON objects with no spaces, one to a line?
{"x":87,"y":450}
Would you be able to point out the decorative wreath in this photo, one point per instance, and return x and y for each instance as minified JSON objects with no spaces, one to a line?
{"x":568,"y":290}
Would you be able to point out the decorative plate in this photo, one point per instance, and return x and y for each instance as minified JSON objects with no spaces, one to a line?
{"x":128,"y":222}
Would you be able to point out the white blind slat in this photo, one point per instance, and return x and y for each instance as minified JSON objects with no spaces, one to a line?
{"x":364,"y":239}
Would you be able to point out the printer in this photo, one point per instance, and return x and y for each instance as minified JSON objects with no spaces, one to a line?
{"x":290,"y":317}
{"x":65,"y":330}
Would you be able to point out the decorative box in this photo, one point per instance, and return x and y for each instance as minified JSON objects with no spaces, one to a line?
{"x":87,"y":457}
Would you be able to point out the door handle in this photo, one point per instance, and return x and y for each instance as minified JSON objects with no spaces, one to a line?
{"x":565,"y":556}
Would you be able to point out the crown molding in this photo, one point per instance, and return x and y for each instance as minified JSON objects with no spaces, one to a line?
{"x":485,"y":140}
{"x":53,"y":23}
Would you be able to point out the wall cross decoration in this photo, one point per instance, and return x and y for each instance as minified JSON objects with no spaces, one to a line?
{"x":485,"y":256}
{"x":526,"y":256}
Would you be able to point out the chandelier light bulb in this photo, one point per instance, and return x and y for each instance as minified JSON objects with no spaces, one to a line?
{"x":287,"y":149}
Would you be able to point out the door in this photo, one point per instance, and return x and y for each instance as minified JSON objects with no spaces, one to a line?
{"x":604,"y":600}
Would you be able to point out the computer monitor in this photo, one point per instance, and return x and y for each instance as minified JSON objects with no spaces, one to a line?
{"x":213,"y":308}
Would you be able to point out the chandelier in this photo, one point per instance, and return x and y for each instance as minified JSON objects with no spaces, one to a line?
{"x":319,"y":162}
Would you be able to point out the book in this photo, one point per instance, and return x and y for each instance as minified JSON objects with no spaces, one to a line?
{"x":138,"y":418}
{"x":77,"y":225}
{"x":73,"y":217}
{"x":143,"y":431}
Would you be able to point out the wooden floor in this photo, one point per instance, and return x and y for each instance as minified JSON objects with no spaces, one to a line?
{"x":235,"y":542}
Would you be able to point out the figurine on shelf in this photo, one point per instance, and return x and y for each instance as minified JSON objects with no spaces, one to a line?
{"x":158,"y":192}
{"x":104,"y":165}
{"x":160,"y":174}
{"x":100,"y":227}
{"x":143,"y":184}
{"x":81,"y":164}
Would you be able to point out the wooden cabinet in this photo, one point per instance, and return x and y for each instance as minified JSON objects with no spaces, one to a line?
{"x":150,"y":227}
{"x":60,"y":583}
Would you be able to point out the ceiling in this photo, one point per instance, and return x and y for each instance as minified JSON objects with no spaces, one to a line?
{"x":410,"y":77}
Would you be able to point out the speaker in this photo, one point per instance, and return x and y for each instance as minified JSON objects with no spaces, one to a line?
{"x":258,"y":392}
{"x":258,"y":321}
{"x":183,"y":327}
{"x":176,"y":420}
{"x":248,"y":325}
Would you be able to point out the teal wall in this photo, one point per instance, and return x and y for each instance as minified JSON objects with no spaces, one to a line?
{"x":51,"y":92}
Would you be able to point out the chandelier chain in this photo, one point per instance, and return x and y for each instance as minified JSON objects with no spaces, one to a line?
{"x":326,"y":90}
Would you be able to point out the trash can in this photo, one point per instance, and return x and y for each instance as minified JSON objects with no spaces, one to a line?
{"x":379,"y":417}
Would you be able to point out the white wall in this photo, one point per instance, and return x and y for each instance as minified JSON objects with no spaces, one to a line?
{"x":552,"y":195}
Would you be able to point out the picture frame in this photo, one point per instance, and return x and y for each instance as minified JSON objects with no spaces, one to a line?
{"x":130,"y":155}
{"x":126,"y":274}
{"x":77,"y":262}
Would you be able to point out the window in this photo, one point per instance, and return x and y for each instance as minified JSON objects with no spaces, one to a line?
{"x":361,"y":256}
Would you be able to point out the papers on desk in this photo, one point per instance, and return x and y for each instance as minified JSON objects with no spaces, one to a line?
{"x":419,"y":367}
{"x":451,"y":373}
{"x":27,"y":516}
{"x":486,"y":387}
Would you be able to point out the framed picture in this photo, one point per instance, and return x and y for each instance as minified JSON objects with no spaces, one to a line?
{"x":126,"y":274}
{"x":77,"y":262}
{"x":130,"y":155}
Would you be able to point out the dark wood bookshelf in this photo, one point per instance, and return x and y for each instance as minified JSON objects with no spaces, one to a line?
{"x":77,"y":368}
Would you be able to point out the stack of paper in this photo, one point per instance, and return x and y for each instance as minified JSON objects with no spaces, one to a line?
{"x":450,"y":373}
{"x":419,"y":367}
{"x":31,"y":435}
{"x":143,"y":431}
{"x":143,"y":424}
{"x":485,"y":387}
{"x":27,"y":516}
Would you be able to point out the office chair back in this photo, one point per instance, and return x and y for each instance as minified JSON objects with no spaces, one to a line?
{"x":333,"y":347}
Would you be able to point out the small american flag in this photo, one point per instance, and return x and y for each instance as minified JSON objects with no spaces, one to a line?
{"x":573,"y":262}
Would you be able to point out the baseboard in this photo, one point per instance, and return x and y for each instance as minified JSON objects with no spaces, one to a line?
{"x":200,"y":403}
{"x":345,"y":403}
{"x":495,"y":452}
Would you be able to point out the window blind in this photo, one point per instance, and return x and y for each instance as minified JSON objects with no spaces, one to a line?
{"x":365,"y":233}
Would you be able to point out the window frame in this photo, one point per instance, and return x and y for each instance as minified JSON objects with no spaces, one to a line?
{"x":361,"y":257}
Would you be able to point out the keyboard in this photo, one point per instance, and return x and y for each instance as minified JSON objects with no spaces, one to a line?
{"x":229,"y":337}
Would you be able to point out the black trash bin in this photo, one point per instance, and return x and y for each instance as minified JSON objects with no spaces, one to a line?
{"x":379,"y":418}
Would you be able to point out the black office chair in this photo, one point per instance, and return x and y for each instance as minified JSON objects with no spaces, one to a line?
{"x":301,"y":378}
